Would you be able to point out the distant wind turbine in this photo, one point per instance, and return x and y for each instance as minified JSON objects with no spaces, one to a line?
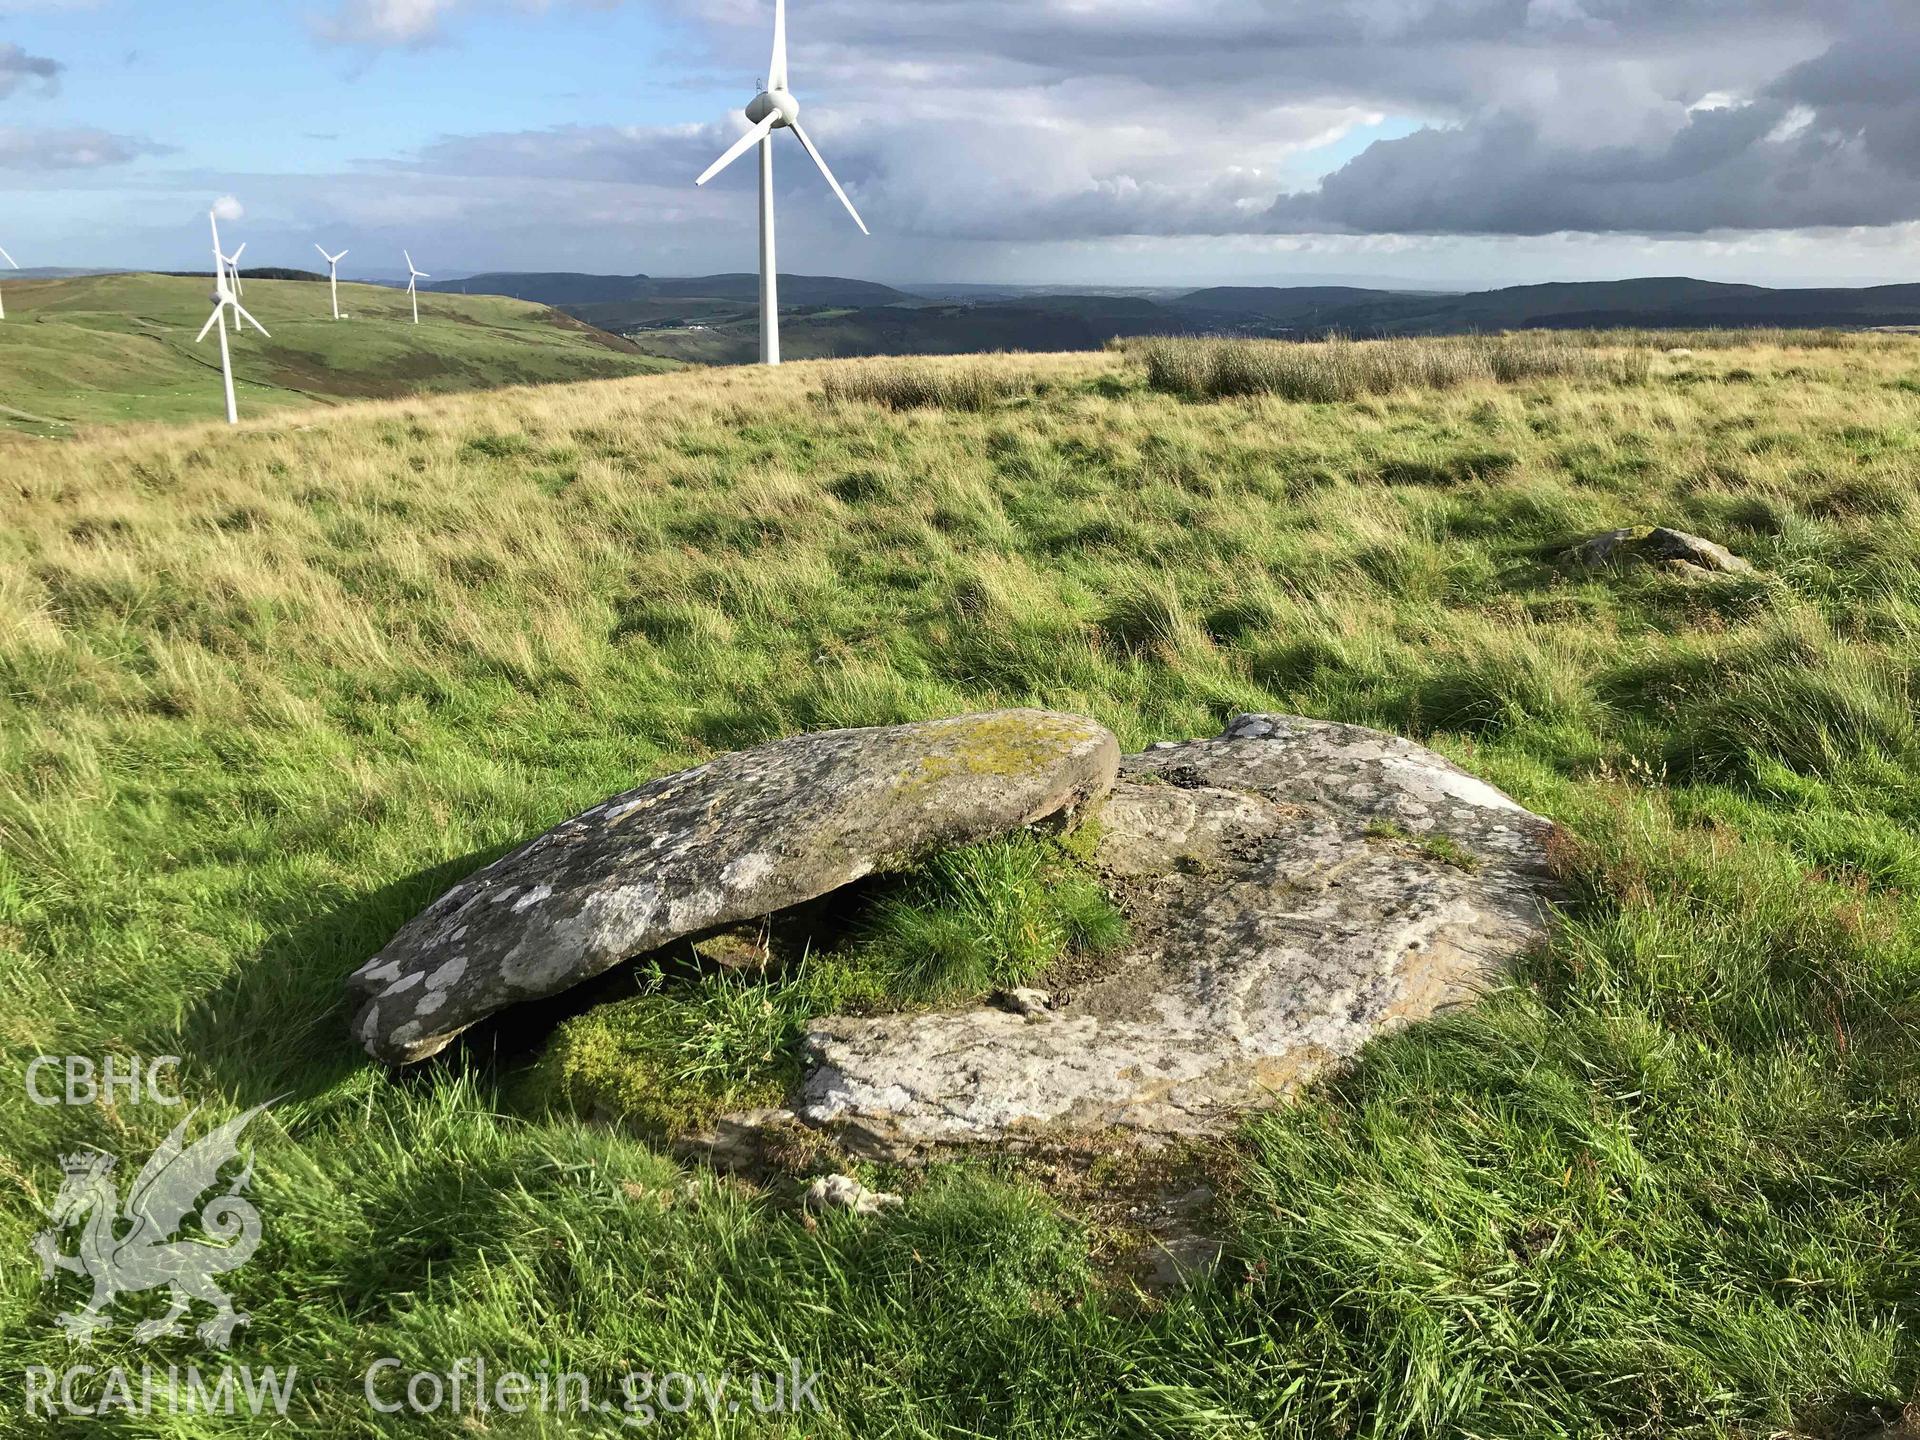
{"x":223,"y":298}
{"x":333,"y":275}
{"x":414,"y":277}
{"x":233,"y":269}
{"x":775,"y":109}
{"x":3,"y":304}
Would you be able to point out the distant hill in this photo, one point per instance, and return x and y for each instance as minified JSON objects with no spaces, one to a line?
{"x":898,"y":330}
{"x":717,"y":330}
{"x":714,"y":319}
{"x":1657,"y":303}
{"x":110,"y":348}
{"x":265,"y":272}
{"x":1272,"y":301}
{"x":558,"y":287}
{"x":569,"y":289}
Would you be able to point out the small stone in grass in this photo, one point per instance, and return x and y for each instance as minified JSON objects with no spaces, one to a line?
{"x":843,"y":1192}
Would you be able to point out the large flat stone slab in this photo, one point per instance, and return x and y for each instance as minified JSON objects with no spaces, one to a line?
{"x":1294,"y":887}
{"x":744,"y":836}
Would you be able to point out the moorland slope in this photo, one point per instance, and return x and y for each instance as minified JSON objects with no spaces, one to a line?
{"x":108,"y":349}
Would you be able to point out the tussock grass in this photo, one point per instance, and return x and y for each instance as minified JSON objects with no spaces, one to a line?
{"x":264,"y":696}
{"x":923,"y":385}
{"x":1342,"y":370}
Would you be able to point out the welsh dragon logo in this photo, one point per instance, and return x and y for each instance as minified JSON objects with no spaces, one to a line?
{"x":125,"y":1249}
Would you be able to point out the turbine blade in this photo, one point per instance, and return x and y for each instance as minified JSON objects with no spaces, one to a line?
{"x":409,"y":259}
{"x":241,"y":311}
{"x":235,"y":257}
{"x":338,"y":258}
{"x":9,"y":259}
{"x":820,"y":160}
{"x":219,"y":313}
{"x":777,"y":70}
{"x":740,"y":147}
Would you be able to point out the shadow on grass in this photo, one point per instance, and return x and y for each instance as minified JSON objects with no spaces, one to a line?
{"x":278,"y":1025}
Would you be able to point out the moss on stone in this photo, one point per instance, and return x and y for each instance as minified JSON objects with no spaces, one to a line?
{"x":1006,"y":744}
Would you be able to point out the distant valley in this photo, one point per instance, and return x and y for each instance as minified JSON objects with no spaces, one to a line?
{"x":715,"y":319}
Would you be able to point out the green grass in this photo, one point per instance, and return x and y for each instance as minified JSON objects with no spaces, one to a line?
{"x":987,"y":917}
{"x":264,"y":695}
{"x":698,"y":1042}
{"x":109,"y":349}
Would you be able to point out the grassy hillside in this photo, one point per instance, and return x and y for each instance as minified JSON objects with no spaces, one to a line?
{"x":108,"y":349}
{"x":265,"y":694}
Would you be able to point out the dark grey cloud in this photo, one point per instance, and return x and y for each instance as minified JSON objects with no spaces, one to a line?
{"x":1831,"y":141}
{"x":1017,"y":122}
{"x":1654,"y":117}
{"x":18,"y":70}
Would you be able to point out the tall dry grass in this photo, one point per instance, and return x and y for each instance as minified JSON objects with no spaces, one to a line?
{"x":1340,"y":370}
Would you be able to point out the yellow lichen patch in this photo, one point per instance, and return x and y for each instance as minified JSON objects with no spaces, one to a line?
{"x":1012,"y":743}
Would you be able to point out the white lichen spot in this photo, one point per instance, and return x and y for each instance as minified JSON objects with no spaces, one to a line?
{"x":748,"y":870}
{"x":401,"y":986}
{"x":532,"y":897}
{"x":446,"y":974}
{"x":1451,"y":783}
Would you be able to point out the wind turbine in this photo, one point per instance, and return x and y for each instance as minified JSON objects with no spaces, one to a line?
{"x":223,"y":299}
{"x":775,"y":109}
{"x":333,"y":275}
{"x":10,"y":260}
{"x":233,"y":268}
{"x":414,"y":277}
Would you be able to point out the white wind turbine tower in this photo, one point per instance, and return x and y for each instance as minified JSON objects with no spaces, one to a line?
{"x":333,"y":275}
{"x":10,"y":260}
{"x":224,"y":299}
{"x":414,"y":277}
{"x":775,"y":109}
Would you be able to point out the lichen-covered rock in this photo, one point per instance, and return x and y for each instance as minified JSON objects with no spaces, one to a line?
{"x":1658,"y":546}
{"x":1294,"y":888}
{"x":741,"y":837}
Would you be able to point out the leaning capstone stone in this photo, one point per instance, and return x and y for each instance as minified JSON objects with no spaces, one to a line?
{"x":1293,"y":889}
{"x":1658,"y":545}
{"x":744,"y":836}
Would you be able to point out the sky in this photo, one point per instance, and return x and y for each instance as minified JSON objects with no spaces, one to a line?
{"x":1454,"y":144}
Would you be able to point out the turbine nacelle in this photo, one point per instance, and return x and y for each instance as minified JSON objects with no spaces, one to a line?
{"x":774,"y":108}
{"x":778,"y":103}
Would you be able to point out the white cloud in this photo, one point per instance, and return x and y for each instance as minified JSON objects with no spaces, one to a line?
{"x":71,"y":148}
{"x":228,"y":208}
{"x":385,"y":22}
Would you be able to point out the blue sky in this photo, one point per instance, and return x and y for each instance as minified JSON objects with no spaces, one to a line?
{"x":1447,"y":142}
